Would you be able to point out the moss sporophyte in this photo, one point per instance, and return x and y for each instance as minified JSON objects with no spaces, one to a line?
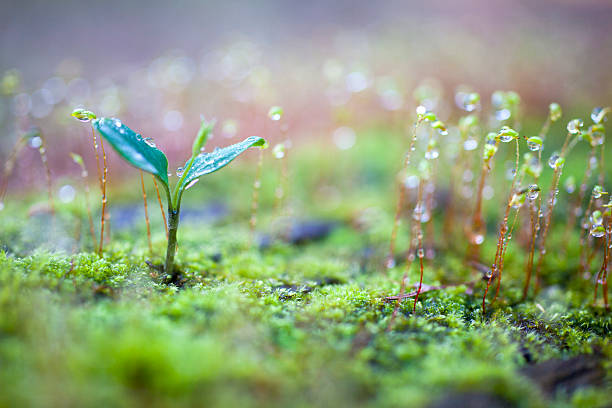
{"x":143,"y":154}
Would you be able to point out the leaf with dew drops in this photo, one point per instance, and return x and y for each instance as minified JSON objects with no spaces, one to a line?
{"x":133,"y":148}
{"x":206,"y":163}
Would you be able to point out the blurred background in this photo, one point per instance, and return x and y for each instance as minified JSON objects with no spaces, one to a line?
{"x":345,"y":64}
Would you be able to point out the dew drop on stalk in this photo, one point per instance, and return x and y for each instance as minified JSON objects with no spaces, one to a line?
{"x":570,"y":184}
{"x":432,"y":154}
{"x":502,"y":114}
{"x":598,"y":115}
{"x":468,"y":176}
{"x":596,"y":218}
{"x":35,"y":142}
{"x":411,"y":181}
{"x":597,"y":192}
{"x":279,"y":151}
{"x":66,"y":193}
{"x":554,"y":159}
{"x":555,"y":112}
{"x":420,"y":111}
{"x":470,"y":144}
{"x":597,"y":135}
{"x":390,"y":263}
{"x":598,"y":231}
{"x":180,"y":171}
{"x":507,"y":134}
{"x":518,"y":199}
{"x":275,"y":113}
{"x":534,"y":143}
{"x":533,"y":191}
{"x":149,"y":141}
{"x":574,"y":126}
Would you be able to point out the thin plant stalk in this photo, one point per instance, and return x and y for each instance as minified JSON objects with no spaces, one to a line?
{"x":281,"y":189}
{"x":477,"y":231}
{"x":255,"y":196}
{"x":602,"y":275}
{"x":9,"y":165}
{"x":161,"y":206}
{"x":146,"y":213}
{"x":409,"y":260}
{"x":420,"y":254}
{"x":568,"y":144}
{"x":535,"y":207}
{"x":42,"y":150}
{"x":390,"y":261}
{"x":84,"y":175}
{"x":103,"y":189}
{"x":497,"y":266}
{"x":534,"y":223}
{"x":577,"y":205}
{"x":584,"y":236}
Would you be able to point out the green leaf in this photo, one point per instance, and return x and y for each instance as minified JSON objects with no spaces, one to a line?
{"x":140,"y":153}
{"x":206,"y":163}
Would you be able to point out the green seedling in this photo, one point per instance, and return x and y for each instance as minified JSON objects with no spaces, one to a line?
{"x":143,"y":154}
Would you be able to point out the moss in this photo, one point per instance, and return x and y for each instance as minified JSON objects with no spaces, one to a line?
{"x":289,"y":325}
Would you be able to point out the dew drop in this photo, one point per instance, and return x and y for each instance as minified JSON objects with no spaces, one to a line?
{"x":66,"y":193}
{"x":275,"y":113}
{"x":502,"y":114}
{"x":470,"y":144}
{"x":534,"y":143}
{"x":35,"y":142}
{"x":533,"y":191}
{"x":432,"y":154}
{"x":552,"y":162}
{"x":574,"y":126}
{"x":598,"y":231}
{"x":180,"y":171}
{"x":598,"y":115}
{"x":279,"y":151}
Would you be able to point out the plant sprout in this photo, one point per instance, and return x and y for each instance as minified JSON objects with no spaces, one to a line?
{"x":143,"y":154}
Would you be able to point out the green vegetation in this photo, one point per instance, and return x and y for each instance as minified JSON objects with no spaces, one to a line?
{"x":333,"y":318}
